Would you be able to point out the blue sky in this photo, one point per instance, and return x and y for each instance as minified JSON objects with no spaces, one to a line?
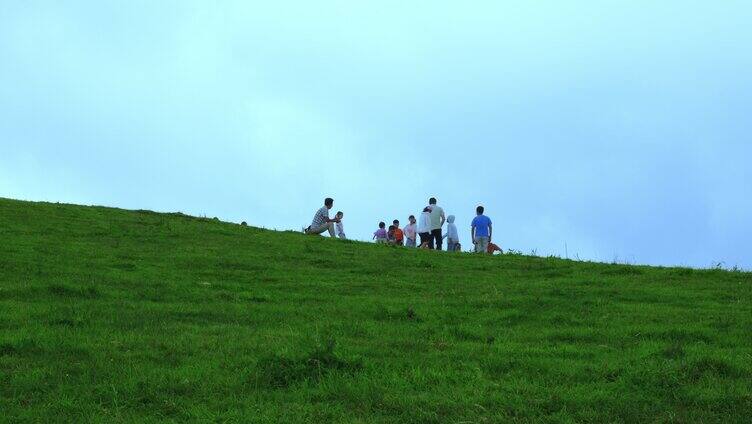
{"x":621,"y":128}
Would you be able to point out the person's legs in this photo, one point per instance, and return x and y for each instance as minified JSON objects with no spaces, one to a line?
{"x":329,"y":226}
{"x":425,"y":238}
{"x":481,"y":245}
{"x":316,"y":230}
{"x":410,"y":242}
{"x":430,"y":240}
{"x":437,"y":237}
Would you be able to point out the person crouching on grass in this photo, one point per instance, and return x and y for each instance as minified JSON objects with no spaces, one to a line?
{"x":380,"y":234}
{"x":321,"y":222}
{"x":424,"y":228}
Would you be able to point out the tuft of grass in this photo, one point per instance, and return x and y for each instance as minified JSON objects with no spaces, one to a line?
{"x":673,"y":351}
{"x":385,"y":314}
{"x":277,"y":371}
{"x":714,"y":368}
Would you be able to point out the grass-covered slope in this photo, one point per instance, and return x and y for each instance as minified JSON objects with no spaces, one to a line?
{"x":109,"y":316}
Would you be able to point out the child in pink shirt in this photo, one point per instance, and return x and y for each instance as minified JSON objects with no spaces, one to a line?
{"x":380,"y":234}
{"x":410,"y":231}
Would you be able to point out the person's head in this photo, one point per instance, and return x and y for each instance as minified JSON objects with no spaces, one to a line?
{"x":427,"y":209}
{"x":479,"y":210}
{"x":340,"y":214}
{"x":392,"y":228}
{"x":328,"y":202}
{"x":411,"y":218}
{"x":450,"y":219}
{"x":432,"y":201}
{"x":396,"y":223}
{"x":382,"y":225}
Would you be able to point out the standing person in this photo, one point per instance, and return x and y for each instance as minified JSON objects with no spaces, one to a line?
{"x":424,"y":228}
{"x":339,"y":227}
{"x":452,"y":236}
{"x":399,"y":235}
{"x":481,"y":231}
{"x":437,"y":221}
{"x":321,"y":221}
{"x":410,"y":231}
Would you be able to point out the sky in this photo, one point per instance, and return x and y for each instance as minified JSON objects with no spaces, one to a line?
{"x":600,"y":130}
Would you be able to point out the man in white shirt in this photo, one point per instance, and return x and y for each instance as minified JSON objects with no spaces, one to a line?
{"x":321,"y":221}
{"x":437,"y":221}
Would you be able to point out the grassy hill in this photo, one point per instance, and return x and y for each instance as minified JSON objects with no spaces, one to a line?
{"x":109,"y":315}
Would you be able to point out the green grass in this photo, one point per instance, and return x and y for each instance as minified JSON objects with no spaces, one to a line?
{"x":113,"y":316}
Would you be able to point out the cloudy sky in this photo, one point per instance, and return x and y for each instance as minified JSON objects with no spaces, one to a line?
{"x":618,"y":129}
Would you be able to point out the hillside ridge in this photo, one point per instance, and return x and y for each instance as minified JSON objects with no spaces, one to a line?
{"x":110,"y":315}
{"x":250,"y":226}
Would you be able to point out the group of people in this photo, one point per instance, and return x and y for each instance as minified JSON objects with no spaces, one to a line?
{"x":427,"y":229}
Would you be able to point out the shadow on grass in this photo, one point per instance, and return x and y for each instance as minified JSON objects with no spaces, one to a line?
{"x":62,"y":290}
{"x":24,"y":347}
{"x":712,"y":367}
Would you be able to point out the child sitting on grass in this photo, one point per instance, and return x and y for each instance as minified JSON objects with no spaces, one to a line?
{"x":493,"y":248}
{"x":399,"y":235}
{"x":391,"y":235}
{"x":380,"y":234}
{"x":338,"y":226}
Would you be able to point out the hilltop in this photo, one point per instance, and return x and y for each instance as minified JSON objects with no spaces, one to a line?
{"x":109,"y":315}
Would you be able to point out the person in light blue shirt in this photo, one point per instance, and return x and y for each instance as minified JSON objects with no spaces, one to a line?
{"x":481,"y":231}
{"x":453,"y":237}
